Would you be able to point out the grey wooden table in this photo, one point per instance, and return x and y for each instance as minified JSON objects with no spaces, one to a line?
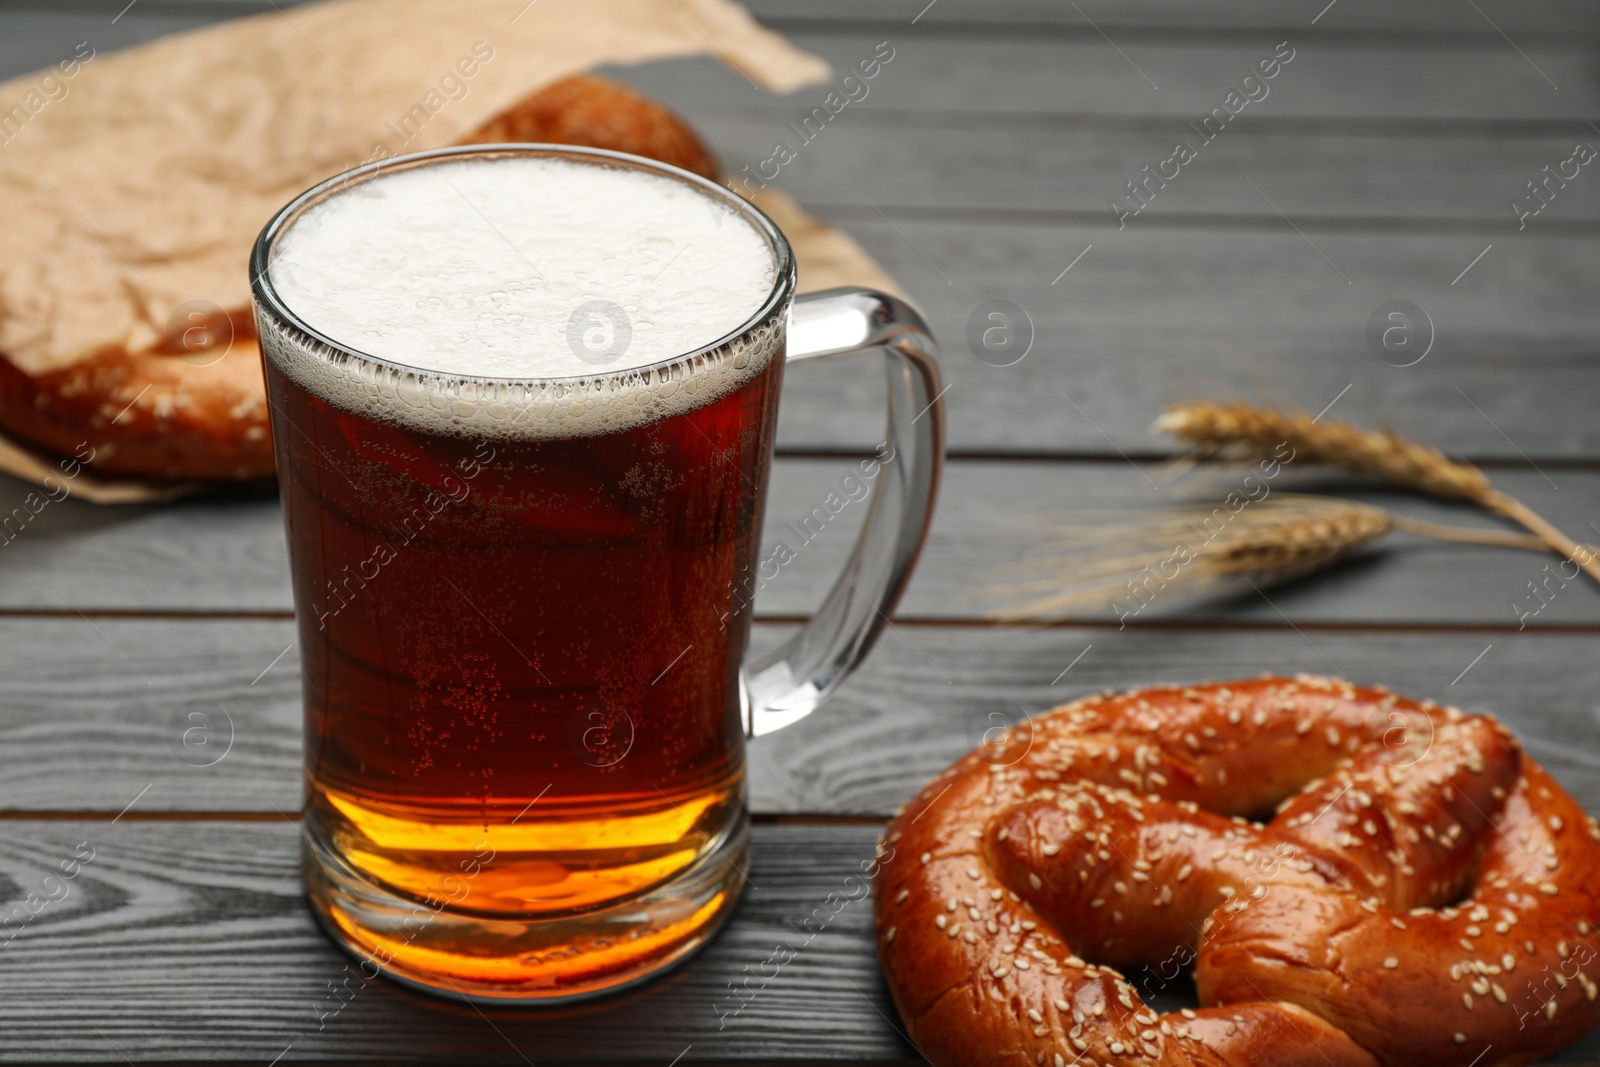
{"x":985,"y":164}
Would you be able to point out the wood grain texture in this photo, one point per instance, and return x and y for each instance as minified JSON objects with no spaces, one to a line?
{"x":929,"y":694}
{"x":1152,"y":314}
{"x":184,"y":942}
{"x":994,"y":142}
{"x":228,"y":556}
{"x":1061,"y":170}
{"x":1371,"y":78}
{"x":153,"y":716}
{"x":220,"y":554}
{"x":996,"y":517}
{"x":190,"y":941}
{"x":84,"y":733}
{"x":1436,"y":17}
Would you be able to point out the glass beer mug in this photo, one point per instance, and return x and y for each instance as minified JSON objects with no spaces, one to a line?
{"x":523,"y":585}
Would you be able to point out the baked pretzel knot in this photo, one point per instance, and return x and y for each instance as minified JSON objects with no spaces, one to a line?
{"x":1425,"y":893}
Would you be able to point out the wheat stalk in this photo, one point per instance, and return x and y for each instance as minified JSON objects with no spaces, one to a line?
{"x":1244,"y":432}
{"x":1129,"y":555}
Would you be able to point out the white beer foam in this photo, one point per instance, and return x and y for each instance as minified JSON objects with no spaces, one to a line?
{"x":522,"y":269}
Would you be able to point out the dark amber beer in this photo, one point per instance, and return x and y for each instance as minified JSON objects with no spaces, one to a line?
{"x":519,"y":641}
{"x":521,"y":542}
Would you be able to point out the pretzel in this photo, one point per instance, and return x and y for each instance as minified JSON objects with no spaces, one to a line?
{"x":193,"y":405}
{"x":598,"y":113}
{"x":1424,"y":894}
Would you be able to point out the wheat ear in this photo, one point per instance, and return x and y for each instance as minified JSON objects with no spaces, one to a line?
{"x":1244,"y":432}
{"x":1280,"y":538}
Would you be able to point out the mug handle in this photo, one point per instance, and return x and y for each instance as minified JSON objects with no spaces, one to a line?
{"x":793,"y":681}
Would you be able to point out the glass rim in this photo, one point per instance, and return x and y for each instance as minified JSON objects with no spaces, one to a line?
{"x":267,"y":297}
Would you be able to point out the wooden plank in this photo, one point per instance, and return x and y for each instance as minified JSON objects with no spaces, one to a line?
{"x":173,"y":715}
{"x":1434,"y":17}
{"x":227,"y":555}
{"x":32,"y":38}
{"x":1154,"y":314}
{"x":85,"y":733}
{"x":221,"y":554}
{"x":1476,"y":79}
{"x":966,"y":74}
{"x":929,"y":694}
{"x":184,"y":941}
{"x":994,"y":516}
{"x":1073,"y":173}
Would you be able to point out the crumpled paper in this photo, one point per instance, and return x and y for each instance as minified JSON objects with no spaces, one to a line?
{"x":134,"y":183}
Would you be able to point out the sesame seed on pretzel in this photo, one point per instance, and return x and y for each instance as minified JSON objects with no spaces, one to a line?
{"x":1423,"y":894}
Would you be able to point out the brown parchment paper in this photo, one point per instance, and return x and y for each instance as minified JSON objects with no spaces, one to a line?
{"x":134,"y":183}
